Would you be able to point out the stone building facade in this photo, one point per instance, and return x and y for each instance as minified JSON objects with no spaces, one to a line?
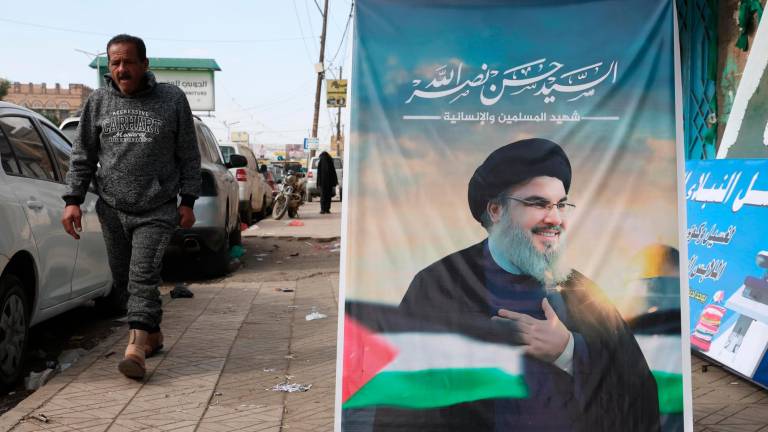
{"x":55,"y":102}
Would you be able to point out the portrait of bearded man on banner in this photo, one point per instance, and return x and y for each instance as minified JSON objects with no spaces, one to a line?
{"x":582,"y":366}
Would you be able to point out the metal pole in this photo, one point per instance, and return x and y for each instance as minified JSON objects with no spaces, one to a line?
{"x":320,"y":76}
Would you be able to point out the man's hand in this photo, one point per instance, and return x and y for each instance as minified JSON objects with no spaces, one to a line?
{"x":72,"y":220}
{"x":544,"y":339}
{"x":186,"y":217}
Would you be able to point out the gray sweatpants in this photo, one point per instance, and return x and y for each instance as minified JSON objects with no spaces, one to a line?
{"x":135,"y":246}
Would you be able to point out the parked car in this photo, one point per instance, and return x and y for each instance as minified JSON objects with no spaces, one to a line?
{"x":217,"y":222}
{"x":254,"y":193}
{"x":69,"y":126}
{"x":271,"y":182}
{"x":43,"y":271}
{"x":312,"y":190}
{"x":278,"y":172}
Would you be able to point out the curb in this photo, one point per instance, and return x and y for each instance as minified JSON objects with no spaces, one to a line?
{"x":302,"y":238}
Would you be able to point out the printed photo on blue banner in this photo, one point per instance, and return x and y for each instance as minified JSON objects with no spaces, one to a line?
{"x":727,"y":201}
{"x":728,"y":262}
{"x":511,"y":236}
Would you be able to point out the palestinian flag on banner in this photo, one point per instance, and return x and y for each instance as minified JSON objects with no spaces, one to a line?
{"x":664,"y":358}
{"x":398,"y":362}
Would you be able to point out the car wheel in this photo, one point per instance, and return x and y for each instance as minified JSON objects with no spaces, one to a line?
{"x":115,"y":303}
{"x":14,"y":328}
{"x":246,"y":216}
{"x":263,"y":212}
{"x":217,"y":263}
{"x":236,"y":236}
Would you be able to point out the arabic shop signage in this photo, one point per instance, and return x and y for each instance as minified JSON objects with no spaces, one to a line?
{"x":549,"y":81}
{"x":197,"y":85}
{"x":727,"y":203}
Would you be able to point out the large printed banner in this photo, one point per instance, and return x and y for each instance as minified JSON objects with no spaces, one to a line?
{"x":511,"y":237}
{"x":728,"y":262}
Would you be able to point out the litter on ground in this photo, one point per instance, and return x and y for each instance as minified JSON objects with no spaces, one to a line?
{"x":181,"y":291}
{"x":291,"y":387}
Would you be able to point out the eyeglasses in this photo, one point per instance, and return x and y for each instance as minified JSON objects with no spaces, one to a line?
{"x":563,"y":208}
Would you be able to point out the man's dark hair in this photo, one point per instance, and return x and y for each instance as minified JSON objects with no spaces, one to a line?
{"x":141,"y":49}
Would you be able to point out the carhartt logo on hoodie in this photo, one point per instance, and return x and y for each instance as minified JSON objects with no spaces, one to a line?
{"x":131,"y":126}
{"x":141,"y":150}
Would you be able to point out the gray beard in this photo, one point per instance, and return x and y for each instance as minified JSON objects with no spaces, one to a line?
{"x":515,"y":245}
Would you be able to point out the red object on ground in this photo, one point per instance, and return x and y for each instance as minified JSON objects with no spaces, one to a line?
{"x":365,"y":354}
{"x":243,"y":226}
{"x":295,"y":223}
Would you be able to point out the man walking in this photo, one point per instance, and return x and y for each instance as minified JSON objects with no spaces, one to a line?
{"x":326,"y":181}
{"x":136,"y":139}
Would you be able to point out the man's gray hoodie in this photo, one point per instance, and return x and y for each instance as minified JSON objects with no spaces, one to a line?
{"x":145,"y":145}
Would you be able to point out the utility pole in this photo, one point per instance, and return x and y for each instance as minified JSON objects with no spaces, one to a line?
{"x":320,"y":76}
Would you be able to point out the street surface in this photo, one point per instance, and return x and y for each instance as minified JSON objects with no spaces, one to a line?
{"x":243,"y":334}
{"x":225,"y":349}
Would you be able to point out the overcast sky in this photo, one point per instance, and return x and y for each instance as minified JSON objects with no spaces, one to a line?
{"x":266,"y":50}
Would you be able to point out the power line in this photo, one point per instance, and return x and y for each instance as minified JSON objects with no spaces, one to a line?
{"x":301,"y":88}
{"x":344,"y":35}
{"x":309,"y":17}
{"x":319,"y":8}
{"x":301,"y":30}
{"x":69,"y":30}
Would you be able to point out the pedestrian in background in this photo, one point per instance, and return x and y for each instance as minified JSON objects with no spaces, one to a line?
{"x":326,"y":181}
{"x":136,"y":139}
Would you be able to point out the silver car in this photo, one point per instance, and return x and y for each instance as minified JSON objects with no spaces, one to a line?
{"x":255,"y":193}
{"x":43,"y":271}
{"x":312,"y":190}
{"x":217,"y":224}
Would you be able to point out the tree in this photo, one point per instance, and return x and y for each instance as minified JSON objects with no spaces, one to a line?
{"x":4,"y":84}
{"x":53,"y":118}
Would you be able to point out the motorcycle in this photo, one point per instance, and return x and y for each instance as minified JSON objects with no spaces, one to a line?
{"x":290,"y":197}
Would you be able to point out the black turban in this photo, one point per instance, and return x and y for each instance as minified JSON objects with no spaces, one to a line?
{"x":515,"y":163}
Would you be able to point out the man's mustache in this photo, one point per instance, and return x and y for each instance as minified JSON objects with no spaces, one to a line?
{"x":540,"y":228}
{"x":125,"y":77}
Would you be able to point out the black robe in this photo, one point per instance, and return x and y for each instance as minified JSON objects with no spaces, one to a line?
{"x":611,"y":385}
{"x":326,"y":174}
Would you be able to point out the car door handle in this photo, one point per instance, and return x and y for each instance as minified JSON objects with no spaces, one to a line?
{"x":35,"y":205}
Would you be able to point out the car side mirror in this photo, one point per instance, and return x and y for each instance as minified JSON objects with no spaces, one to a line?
{"x":236,"y":161}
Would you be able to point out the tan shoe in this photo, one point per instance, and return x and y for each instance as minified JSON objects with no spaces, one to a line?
{"x":132,"y":364}
{"x":154,"y":343}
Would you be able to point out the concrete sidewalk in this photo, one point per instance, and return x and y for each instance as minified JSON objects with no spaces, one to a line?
{"x":723,"y":402}
{"x":309,"y":224}
{"x":224,"y":351}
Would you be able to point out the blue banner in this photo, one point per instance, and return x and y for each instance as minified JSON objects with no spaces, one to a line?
{"x":727,"y":236}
